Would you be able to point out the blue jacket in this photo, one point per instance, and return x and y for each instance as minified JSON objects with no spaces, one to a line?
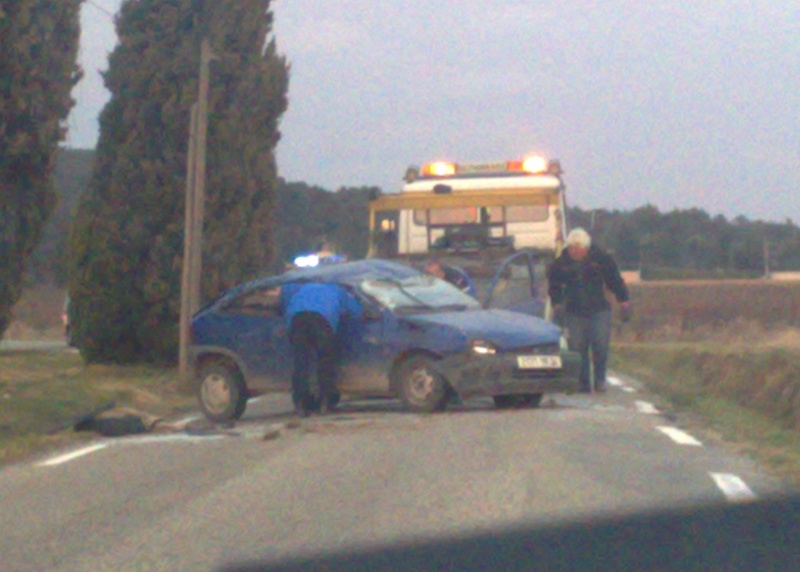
{"x":331,"y":301}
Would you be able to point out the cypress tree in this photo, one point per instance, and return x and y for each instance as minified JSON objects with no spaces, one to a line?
{"x":38,"y":49}
{"x":127,"y":241}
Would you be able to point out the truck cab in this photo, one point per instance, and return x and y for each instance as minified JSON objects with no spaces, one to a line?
{"x":501,"y":222}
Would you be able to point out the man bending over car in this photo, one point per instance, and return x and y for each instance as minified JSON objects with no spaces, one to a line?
{"x":313,"y":311}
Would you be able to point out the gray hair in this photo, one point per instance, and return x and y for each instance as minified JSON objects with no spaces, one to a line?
{"x":579,"y":237}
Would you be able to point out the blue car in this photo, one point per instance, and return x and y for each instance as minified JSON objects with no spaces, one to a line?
{"x":420,"y":339}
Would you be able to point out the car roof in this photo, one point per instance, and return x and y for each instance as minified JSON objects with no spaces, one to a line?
{"x":348,"y":273}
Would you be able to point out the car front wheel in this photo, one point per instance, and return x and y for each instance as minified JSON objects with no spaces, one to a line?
{"x":222,"y":392}
{"x":421,"y":387}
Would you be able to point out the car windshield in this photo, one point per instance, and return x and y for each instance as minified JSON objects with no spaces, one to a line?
{"x":418,"y":294}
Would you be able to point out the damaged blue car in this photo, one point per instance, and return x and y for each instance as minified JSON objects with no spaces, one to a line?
{"x":420,"y":339}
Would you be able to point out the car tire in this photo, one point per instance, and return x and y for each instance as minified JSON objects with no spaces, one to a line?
{"x":421,"y":388}
{"x":507,"y":401}
{"x":221,"y":391}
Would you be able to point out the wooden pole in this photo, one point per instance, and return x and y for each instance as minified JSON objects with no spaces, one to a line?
{"x":188,"y":225}
{"x":195,"y":203}
{"x":200,"y":178}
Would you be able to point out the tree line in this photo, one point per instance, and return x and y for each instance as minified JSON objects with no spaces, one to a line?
{"x":681,"y":242}
{"x":690,"y":243}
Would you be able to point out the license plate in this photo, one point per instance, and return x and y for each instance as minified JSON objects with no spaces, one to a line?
{"x":539,"y":362}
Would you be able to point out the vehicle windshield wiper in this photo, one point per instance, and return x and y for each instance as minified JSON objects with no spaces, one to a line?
{"x":415,"y":308}
{"x":420,"y":304}
{"x":453,"y":307}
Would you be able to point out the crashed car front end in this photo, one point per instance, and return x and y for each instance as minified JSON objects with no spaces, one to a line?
{"x":484,"y":370}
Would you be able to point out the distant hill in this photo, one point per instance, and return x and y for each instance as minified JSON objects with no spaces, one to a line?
{"x":72,"y":175}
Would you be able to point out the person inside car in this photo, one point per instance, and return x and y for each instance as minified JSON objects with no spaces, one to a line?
{"x":451,"y":274}
{"x":313,"y":312}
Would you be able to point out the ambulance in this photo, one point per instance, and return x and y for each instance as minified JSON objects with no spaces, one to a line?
{"x":478,"y":216}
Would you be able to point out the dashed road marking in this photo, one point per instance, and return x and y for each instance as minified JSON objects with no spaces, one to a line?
{"x":627,"y":389}
{"x":168,"y":438}
{"x":734,"y":488}
{"x":680,"y":437}
{"x":615,"y":381}
{"x":73,"y":455}
{"x":645,"y":407}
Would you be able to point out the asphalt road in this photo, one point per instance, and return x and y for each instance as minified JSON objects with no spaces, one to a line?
{"x":369,"y":474}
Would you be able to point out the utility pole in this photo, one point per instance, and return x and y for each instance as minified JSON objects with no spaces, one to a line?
{"x":195,"y":206}
{"x":186,"y":277}
{"x":767,"y":270}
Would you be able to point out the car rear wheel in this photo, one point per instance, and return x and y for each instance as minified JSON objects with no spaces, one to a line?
{"x":421,"y":387}
{"x":222,"y":392}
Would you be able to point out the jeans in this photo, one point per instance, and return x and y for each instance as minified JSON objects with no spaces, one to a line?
{"x":314,"y":344}
{"x":590,"y":333}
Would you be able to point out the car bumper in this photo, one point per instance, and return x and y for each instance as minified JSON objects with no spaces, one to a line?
{"x":472,"y":375}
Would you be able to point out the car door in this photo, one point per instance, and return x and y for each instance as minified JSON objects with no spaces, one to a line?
{"x":259,"y":336}
{"x":365,"y":359}
{"x":514,"y":286}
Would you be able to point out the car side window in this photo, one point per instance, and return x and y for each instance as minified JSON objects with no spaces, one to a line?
{"x":514,"y":285}
{"x":259,"y":302}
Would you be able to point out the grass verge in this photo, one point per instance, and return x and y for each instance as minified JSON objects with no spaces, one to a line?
{"x":43,"y":392}
{"x":748,"y":398}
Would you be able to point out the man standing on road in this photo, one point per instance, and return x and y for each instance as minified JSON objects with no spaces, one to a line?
{"x":313,"y":311}
{"x":577,"y":282}
{"x":455,"y":276}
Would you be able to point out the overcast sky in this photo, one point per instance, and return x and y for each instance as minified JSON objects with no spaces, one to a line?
{"x":678,"y":104}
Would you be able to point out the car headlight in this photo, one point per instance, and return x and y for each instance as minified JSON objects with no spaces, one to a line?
{"x":483,"y":348}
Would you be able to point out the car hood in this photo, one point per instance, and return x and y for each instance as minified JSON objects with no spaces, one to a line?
{"x":506,"y":330}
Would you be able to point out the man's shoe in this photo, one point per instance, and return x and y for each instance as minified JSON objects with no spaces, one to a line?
{"x":601,"y":388}
{"x":585,"y":390}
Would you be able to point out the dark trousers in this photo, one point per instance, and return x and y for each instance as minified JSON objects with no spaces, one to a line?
{"x":314,"y":346}
{"x":590,"y":334}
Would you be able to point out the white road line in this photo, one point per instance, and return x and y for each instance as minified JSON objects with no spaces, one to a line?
{"x":645,"y":407}
{"x":73,"y":455}
{"x":734,"y":488}
{"x":613,"y":381}
{"x":167,"y":438}
{"x":627,"y":389}
{"x":680,"y":437}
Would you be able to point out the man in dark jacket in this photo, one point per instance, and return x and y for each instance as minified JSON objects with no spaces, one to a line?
{"x":313,"y":311}
{"x":577,"y":282}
